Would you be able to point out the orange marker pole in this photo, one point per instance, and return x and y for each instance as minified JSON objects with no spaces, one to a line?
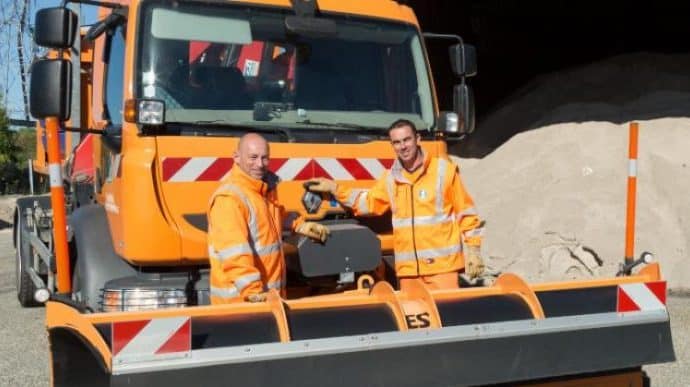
{"x":57,"y":200}
{"x":632,"y":188}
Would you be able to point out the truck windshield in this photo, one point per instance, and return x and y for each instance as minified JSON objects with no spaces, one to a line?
{"x":238,"y":65}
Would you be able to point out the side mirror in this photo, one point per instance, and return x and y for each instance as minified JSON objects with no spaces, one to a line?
{"x":447,"y":123}
{"x":463,"y":101}
{"x":55,"y":27}
{"x":463,"y":60}
{"x":50,"y":92}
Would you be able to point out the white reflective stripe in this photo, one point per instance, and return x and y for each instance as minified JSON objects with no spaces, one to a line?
{"x":152,"y":336}
{"x":642,"y":296}
{"x":350,"y":201}
{"x":55,"y":174}
{"x":292,"y":167}
{"x":192,"y":169}
{"x":632,"y":167}
{"x":389,"y":187}
{"x":270,"y":249}
{"x":423,"y":220}
{"x":363,"y":204}
{"x":246,"y":280}
{"x":273,"y":285}
{"x":114,"y":167}
{"x":229,"y":292}
{"x":253,"y":227}
{"x":334,"y":168}
{"x":466,"y":212}
{"x":230,"y":252}
{"x":396,"y":172}
{"x":442,"y":164}
{"x":429,"y":253}
{"x":244,"y":248}
{"x":373,"y":166}
{"x":475,"y":232}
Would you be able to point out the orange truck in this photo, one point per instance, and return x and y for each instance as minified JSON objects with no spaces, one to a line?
{"x":119,"y":254}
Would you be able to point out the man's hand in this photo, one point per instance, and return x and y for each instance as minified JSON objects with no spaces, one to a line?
{"x":474,"y":265}
{"x":321,"y":184}
{"x":313,"y":230}
{"x":257,"y":297}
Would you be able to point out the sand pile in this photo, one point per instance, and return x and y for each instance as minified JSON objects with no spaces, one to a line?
{"x":550,"y":171}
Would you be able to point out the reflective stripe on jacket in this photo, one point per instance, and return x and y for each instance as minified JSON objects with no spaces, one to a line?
{"x":244,"y":238}
{"x":432,"y":215}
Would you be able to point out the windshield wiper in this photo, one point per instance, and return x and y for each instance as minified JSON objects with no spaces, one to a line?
{"x":244,"y":127}
{"x":345,"y":126}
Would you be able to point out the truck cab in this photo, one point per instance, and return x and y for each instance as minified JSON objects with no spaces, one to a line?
{"x":174,"y":85}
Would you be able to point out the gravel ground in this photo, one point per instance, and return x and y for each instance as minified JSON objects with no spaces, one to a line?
{"x":24,"y":356}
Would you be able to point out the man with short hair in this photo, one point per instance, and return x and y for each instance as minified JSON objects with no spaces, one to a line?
{"x":432,"y":214}
{"x":245,"y":228}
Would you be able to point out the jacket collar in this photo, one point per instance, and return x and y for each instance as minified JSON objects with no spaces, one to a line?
{"x":397,"y":168}
{"x":262,"y":187}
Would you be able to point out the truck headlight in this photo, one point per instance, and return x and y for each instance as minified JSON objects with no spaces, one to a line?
{"x":142,"y":299}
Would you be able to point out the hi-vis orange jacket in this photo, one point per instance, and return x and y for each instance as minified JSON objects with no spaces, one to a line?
{"x":244,"y":238}
{"x":432,"y":215}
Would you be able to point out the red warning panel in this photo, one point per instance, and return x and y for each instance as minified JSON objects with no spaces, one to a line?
{"x":641,"y":296}
{"x":154,"y":339}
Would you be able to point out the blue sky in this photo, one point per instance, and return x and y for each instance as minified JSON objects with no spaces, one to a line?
{"x":10,"y":80}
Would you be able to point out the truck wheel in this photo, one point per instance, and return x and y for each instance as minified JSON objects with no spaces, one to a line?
{"x":25,"y":287}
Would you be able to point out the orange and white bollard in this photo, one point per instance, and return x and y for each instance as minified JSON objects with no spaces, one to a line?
{"x":57,"y":199}
{"x":632,"y":191}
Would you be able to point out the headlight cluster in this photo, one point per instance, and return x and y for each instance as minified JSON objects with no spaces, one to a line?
{"x":116,"y":300}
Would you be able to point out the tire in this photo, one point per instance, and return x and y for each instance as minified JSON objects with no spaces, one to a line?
{"x":24,"y":259}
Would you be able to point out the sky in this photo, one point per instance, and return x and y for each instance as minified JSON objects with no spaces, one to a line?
{"x":10,"y":80}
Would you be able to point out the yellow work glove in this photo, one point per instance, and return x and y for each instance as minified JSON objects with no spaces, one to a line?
{"x":313,"y":230}
{"x":257,"y":297}
{"x":474,"y":265}
{"x":321,"y":184}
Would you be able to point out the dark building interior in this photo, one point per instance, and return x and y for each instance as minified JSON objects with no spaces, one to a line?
{"x":517,"y":40}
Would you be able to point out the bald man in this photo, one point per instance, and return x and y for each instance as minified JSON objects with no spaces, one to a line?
{"x":245,"y":228}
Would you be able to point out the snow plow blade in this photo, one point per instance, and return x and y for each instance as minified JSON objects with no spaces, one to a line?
{"x":382,"y":337}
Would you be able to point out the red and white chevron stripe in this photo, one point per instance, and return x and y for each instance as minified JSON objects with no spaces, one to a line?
{"x":154,"y":339}
{"x":641,"y":296}
{"x":190,"y":169}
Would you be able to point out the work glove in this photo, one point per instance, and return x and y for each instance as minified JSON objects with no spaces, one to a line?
{"x":257,"y":297}
{"x":321,"y":184}
{"x":314,"y":230}
{"x":474,"y":265}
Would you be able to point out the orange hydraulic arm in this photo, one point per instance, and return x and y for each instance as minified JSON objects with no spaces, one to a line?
{"x":57,"y":198}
